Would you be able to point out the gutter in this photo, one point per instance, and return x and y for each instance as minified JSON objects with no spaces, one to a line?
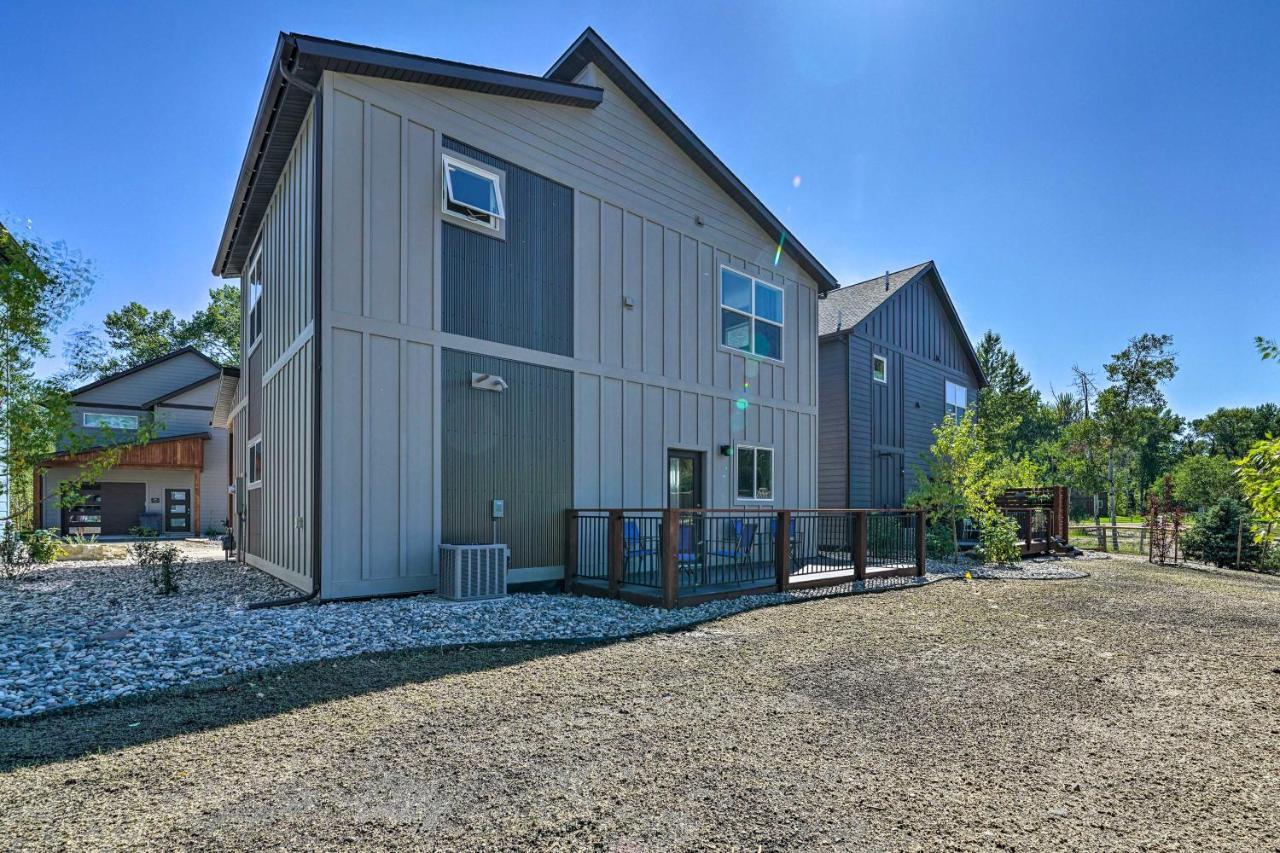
{"x":317,"y":119}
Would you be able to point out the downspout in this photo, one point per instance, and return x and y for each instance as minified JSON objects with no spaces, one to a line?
{"x":317,"y":335}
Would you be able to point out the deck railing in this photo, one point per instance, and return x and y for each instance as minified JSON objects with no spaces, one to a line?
{"x":675,"y":557}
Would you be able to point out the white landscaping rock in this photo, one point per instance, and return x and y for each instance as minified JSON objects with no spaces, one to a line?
{"x":86,"y":632}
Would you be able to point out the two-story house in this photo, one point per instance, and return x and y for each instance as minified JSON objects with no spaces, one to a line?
{"x":176,"y":482}
{"x":464,"y":285}
{"x":894,"y":360}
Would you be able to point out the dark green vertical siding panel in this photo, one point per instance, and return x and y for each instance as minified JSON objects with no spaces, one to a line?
{"x":516,"y":445}
{"x":517,"y":290}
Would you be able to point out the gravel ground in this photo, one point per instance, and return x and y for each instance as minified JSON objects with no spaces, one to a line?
{"x":1051,"y":568}
{"x":1136,"y":709}
{"x":74,"y":634}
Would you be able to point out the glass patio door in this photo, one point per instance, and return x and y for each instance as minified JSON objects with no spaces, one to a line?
{"x":684,"y":479}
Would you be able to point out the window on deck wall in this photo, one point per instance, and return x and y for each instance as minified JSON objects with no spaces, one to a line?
{"x":750,"y":314}
{"x":957,"y":401}
{"x":755,"y":473}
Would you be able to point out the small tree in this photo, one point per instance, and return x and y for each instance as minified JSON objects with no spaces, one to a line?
{"x":1199,"y":481}
{"x":963,"y":478}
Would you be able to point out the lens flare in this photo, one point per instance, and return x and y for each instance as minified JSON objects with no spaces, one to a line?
{"x":777,"y":253}
{"x":795,"y":182}
{"x":741,"y":403}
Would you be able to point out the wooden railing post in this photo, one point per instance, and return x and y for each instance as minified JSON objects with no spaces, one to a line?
{"x":782,"y":549}
{"x":860,"y":518}
{"x":921,"y":548}
{"x":1030,"y":524}
{"x":570,"y":548}
{"x":670,"y":570}
{"x":616,"y":555}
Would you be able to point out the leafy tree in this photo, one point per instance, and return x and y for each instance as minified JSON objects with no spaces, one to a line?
{"x":1230,"y":432}
{"x":1260,"y":468}
{"x":135,"y":334}
{"x":41,"y":283}
{"x":1199,"y":481}
{"x":1013,"y":417}
{"x":964,"y":477}
{"x":1136,"y":374}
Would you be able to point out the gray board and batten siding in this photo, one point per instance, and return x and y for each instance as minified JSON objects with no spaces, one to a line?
{"x":874,"y":436}
{"x":276,"y":383}
{"x":635,"y":357}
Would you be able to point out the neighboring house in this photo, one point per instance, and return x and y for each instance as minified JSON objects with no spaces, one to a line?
{"x":181,"y":474}
{"x":893,"y":360}
{"x":465,"y":285}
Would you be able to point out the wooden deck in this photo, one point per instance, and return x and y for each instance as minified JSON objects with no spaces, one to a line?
{"x":677,"y":558}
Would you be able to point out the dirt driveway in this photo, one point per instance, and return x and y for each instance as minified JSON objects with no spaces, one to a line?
{"x":1138,"y":709}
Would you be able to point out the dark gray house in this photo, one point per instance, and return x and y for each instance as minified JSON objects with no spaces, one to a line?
{"x":893,"y":359}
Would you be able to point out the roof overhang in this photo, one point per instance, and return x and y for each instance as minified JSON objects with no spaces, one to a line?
{"x":225,"y":403}
{"x":98,"y":383}
{"x":283,"y":106}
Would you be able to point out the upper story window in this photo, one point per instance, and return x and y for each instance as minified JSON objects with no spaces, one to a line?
{"x":473,"y":194}
{"x":755,"y":473}
{"x":99,"y":420}
{"x":879,"y":368}
{"x":750,"y":314}
{"x":957,"y":401}
{"x":255,"y":299}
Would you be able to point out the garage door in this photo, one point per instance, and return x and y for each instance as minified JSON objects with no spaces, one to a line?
{"x":122,"y":504}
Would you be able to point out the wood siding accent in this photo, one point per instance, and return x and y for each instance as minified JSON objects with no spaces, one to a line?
{"x":517,"y":290}
{"x":160,"y":453}
{"x":517,"y":446}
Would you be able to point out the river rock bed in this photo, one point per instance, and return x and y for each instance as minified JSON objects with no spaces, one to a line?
{"x":80,"y":633}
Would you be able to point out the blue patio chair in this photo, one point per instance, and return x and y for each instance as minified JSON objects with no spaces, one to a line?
{"x":739,"y":551}
{"x":687,"y":557}
{"x":635,"y":546}
{"x":797,"y":541}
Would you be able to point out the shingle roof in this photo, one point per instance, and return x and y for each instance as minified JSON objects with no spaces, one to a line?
{"x":850,"y":305}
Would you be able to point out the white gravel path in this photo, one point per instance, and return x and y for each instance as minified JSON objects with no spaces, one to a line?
{"x":1034,"y":569}
{"x":78,"y":633}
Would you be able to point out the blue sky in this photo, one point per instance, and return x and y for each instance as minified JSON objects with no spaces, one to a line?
{"x":1081,"y":172}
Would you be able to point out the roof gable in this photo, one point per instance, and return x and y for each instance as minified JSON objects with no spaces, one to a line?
{"x":143,"y":384}
{"x":591,"y":49}
{"x":842,"y":310}
{"x":300,"y":60}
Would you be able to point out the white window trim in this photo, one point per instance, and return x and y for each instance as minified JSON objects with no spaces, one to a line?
{"x":782,"y":324}
{"x":884,"y":361}
{"x":498,"y":220}
{"x":755,"y":486}
{"x":251,"y":483}
{"x":84,"y":420}
{"x":946,"y":399}
{"x":254,"y":259}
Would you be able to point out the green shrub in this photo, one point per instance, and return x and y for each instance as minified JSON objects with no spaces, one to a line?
{"x":998,"y":539}
{"x":163,"y":561}
{"x":42,"y":545}
{"x":940,"y":541}
{"x":1213,"y":535}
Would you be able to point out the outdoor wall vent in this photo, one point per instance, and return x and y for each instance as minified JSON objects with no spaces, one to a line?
{"x":488,"y":382}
